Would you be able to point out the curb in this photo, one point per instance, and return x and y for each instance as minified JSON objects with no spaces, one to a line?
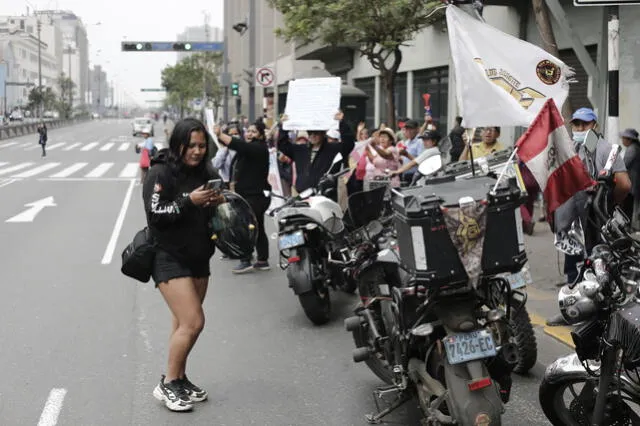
{"x":560,"y":333}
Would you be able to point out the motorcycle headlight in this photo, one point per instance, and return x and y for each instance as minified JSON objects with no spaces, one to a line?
{"x":578,"y":303}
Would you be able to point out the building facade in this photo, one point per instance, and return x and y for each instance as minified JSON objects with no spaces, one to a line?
{"x":100,"y":93}
{"x":426,"y":66}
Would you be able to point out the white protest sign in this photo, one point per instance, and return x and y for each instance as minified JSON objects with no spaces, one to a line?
{"x":211,"y":122}
{"x":312,"y":103}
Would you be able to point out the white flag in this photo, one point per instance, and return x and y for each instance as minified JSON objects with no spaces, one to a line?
{"x":500,"y":79}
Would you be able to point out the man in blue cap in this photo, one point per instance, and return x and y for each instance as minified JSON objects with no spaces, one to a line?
{"x":582,"y":121}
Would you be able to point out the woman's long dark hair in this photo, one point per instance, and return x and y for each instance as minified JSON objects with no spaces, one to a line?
{"x":179,"y":142}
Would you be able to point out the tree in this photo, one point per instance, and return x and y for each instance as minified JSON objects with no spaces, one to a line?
{"x":46,"y":95}
{"x":376,"y":28}
{"x":190,"y":78}
{"x":66,"y":86}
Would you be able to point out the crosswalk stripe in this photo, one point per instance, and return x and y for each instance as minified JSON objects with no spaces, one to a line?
{"x":32,"y":147}
{"x":40,"y":169}
{"x":124,"y":146}
{"x":89,"y":146}
{"x":56,"y":145}
{"x":73,"y":145}
{"x":8,"y":144}
{"x":99,"y":171}
{"x":15,"y":168}
{"x":107,"y":146}
{"x":2,"y":163}
{"x":69,"y":170}
{"x":130,"y":170}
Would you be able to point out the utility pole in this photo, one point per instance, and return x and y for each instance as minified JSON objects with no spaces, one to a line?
{"x":40,"y":106}
{"x":543,"y":22}
{"x":613,"y":73}
{"x":252,"y":60}
{"x":205,"y":68}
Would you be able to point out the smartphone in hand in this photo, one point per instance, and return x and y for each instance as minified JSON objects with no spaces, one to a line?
{"x":215,"y":184}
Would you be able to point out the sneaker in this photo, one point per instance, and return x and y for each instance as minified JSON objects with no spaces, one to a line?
{"x":261,"y":265}
{"x":196,"y":394}
{"x":244,"y":267}
{"x":173,"y":394}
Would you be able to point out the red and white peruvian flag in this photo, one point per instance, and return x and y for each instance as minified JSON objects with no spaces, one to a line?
{"x":547,"y":150}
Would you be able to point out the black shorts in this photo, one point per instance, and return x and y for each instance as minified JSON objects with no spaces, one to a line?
{"x":167,"y":267}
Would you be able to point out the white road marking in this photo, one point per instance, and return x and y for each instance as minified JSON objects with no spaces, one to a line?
{"x":8,"y":144}
{"x":99,"y":171}
{"x":107,"y":146}
{"x":32,"y":147}
{"x":130,"y":170}
{"x":73,"y":145}
{"x":69,"y":170}
{"x":56,"y":145}
{"x":111,"y":246}
{"x":6,"y":182}
{"x":89,"y":146}
{"x":15,"y":168}
{"x":2,"y":163}
{"x":34,"y":208}
{"x":40,"y":169}
{"x":124,"y":146}
{"x":52,"y":408}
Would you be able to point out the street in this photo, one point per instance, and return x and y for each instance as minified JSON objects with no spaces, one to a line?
{"x":84,"y":345}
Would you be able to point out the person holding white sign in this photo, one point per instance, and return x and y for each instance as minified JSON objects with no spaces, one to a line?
{"x":312,"y":160}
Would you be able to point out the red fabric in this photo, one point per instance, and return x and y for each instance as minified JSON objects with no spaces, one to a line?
{"x":361,"y":167}
{"x":547,"y":151}
{"x":145,"y":161}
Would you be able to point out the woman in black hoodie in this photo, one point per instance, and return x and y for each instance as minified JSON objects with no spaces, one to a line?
{"x":178,"y":209}
{"x":251,"y":174}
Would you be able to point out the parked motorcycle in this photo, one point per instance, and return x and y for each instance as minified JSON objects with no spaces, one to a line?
{"x":443,"y":335}
{"x":599,"y":384}
{"x":311,"y":245}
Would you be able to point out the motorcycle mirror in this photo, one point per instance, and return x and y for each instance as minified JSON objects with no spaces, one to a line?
{"x":591,"y":140}
{"x":430,"y":165}
{"x":337,"y":159}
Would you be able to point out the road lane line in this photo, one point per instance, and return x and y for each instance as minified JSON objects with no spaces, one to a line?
{"x":89,"y":146}
{"x":40,"y":169}
{"x":7,"y":145}
{"x":124,"y":146}
{"x":99,"y":171}
{"x":560,"y":333}
{"x":7,"y":182}
{"x":52,"y":408}
{"x":15,"y":168}
{"x":56,"y":145}
{"x":130,"y":170}
{"x":69,"y":170}
{"x":111,"y":246}
{"x":107,"y":146}
{"x":72,"y":146}
{"x":2,"y":163}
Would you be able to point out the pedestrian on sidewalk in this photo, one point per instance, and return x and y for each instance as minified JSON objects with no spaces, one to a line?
{"x":147,"y":150}
{"x":631,"y":204}
{"x":178,"y":211}
{"x":250,"y":180}
{"x":42,"y":139}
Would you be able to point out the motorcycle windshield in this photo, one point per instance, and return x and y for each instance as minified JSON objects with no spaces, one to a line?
{"x":366,"y":206}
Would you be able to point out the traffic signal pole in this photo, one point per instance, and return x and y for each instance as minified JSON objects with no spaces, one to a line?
{"x":252,"y":60}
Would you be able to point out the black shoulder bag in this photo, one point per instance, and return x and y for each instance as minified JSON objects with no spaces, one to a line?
{"x":139,"y":255}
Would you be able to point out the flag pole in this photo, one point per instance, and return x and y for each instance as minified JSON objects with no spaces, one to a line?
{"x":504,"y":169}
{"x":470,"y":137}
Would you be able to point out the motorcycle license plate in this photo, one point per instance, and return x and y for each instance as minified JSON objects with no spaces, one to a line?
{"x":519,"y":279}
{"x":469,"y":346}
{"x":292,"y":240}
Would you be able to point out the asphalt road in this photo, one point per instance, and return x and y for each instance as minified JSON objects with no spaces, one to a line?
{"x":84,"y":345}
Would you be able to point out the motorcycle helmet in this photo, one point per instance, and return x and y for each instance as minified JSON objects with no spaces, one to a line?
{"x":234,"y":228}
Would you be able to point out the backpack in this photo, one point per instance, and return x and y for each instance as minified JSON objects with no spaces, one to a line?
{"x":138,"y":256}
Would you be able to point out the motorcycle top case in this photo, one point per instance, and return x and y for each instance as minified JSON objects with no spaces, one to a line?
{"x":423,"y":239}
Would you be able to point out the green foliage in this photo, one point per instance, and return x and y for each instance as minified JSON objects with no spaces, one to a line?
{"x":44,"y":94}
{"x":188,"y":78}
{"x":375,"y":28}
{"x":63,"y":104}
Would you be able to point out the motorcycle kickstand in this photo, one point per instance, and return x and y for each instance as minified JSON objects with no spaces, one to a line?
{"x":403,"y":397}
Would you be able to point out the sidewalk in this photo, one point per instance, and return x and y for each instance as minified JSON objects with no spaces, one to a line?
{"x":546,"y":265}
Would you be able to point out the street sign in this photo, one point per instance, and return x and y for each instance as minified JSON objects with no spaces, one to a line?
{"x":34,"y":208}
{"x":605,"y":2}
{"x":265,"y":77}
{"x":153,"y":90}
{"x":171,"y":46}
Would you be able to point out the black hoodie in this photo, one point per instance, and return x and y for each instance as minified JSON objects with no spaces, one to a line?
{"x":179,"y":227}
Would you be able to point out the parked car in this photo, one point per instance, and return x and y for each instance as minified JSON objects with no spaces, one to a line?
{"x":142,"y":125}
{"x":16,"y":115}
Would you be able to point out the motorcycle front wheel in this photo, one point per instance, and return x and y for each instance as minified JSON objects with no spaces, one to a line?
{"x":317,"y":305}
{"x":570,"y":401}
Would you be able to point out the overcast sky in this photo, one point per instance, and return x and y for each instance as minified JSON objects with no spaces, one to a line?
{"x":136,"y":20}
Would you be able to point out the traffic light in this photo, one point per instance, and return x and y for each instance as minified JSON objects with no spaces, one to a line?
{"x":235,"y":89}
{"x":182,"y":46}
{"x":137,"y":47}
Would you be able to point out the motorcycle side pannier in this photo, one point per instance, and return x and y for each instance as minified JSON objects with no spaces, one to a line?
{"x":423,"y":239}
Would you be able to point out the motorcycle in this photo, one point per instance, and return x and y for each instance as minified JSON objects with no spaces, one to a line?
{"x":310,"y":242}
{"x":604,"y":304}
{"x":426,"y":325}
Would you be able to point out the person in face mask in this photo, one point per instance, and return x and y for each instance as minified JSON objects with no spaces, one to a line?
{"x":582,"y":121}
